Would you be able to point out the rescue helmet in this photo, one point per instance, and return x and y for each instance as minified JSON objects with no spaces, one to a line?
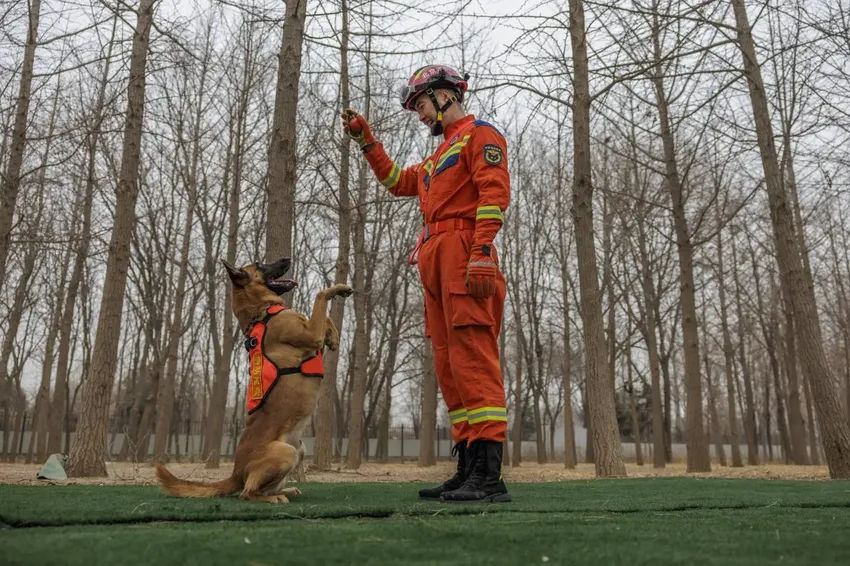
{"x":432,"y":77}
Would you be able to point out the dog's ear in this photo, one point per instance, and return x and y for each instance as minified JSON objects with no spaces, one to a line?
{"x":238,"y":277}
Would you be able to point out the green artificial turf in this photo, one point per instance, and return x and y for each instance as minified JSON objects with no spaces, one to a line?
{"x":640,"y":521}
{"x":79,"y":504}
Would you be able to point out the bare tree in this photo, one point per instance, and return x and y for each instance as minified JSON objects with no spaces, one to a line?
{"x":835,"y":432}
{"x":87,"y":454}
{"x":189,"y":179}
{"x":324,"y":417}
{"x":728,"y":358}
{"x":11,"y":178}
{"x":606,"y":441}
{"x":282,"y":147}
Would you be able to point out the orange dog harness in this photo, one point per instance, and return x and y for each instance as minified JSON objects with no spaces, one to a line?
{"x":263,"y":372}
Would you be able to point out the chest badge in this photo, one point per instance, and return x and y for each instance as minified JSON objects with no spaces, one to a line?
{"x":492,"y":154}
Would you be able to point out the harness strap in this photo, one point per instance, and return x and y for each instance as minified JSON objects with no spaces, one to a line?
{"x":265,"y":373}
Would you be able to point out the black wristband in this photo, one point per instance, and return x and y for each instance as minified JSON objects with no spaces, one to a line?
{"x":368,"y":147}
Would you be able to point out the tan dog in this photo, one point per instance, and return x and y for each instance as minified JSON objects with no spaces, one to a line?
{"x":270,"y":446}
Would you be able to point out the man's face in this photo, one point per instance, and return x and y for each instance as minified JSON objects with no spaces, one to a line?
{"x":425,"y":108}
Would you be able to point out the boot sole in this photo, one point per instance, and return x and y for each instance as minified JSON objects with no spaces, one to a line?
{"x":495,"y":498}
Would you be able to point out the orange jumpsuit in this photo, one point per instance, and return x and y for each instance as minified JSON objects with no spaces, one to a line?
{"x":463,"y":190}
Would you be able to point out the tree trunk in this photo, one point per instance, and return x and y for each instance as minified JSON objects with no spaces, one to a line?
{"x":214,"y":433}
{"x":835,"y":432}
{"x":38,"y":438}
{"x":165,"y":395}
{"x":11,"y":178}
{"x":767,"y":433}
{"x":814,"y":458}
{"x":60,"y":392}
{"x":516,"y":433}
{"x":569,"y":428}
{"x":142,"y":444}
{"x":715,"y":421}
{"x":282,"y":147}
{"x":563,"y":252}
{"x":795,"y":415}
{"x":606,"y":438}
{"x":659,"y":461}
{"x":87,"y":455}
{"x":540,"y":441}
{"x":633,"y":410}
{"x":769,"y":331}
{"x":668,"y":397}
{"x":165,"y":400}
{"x":361,"y":339}
{"x":324,"y":416}
{"x":427,"y":456}
{"x":131,"y":433}
{"x":807,"y":273}
{"x":750,"y":416}
{"x":697,"y":443}
{"x":728,"y":358}
{"x":843,"y":309}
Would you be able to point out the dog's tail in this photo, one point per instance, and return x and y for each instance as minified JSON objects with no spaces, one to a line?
{"x":176,"y":487}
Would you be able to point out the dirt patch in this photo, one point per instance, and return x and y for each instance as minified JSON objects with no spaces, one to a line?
{"x":123,"y":473}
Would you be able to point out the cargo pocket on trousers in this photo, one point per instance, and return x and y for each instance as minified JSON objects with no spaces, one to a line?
{"x":466,"y":309}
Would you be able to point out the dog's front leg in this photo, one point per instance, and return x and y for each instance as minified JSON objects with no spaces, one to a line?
{"x":318,"y":323}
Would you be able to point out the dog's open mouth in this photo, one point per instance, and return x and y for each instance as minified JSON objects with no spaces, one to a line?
{"x":273,"y":276}
{"x":281,"y":285}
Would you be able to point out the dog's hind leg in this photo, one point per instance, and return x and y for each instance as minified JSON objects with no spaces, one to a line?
{"x":301,"y":452}
{"x":265,"y":474}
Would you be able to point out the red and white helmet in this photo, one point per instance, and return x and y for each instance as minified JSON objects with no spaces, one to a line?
{"x":433,"y":77}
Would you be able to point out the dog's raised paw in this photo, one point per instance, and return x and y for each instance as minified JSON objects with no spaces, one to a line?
{"x":340,"y":290}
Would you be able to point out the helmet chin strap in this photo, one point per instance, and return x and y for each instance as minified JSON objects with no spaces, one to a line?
{"x":437,"y":129}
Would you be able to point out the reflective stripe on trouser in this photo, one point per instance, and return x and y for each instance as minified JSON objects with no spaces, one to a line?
{"x":464,"y":332}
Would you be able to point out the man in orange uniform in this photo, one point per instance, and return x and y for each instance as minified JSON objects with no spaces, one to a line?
{"x":463,"y":190}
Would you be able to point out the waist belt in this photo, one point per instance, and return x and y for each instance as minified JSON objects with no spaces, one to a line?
{"x":448,"y":226}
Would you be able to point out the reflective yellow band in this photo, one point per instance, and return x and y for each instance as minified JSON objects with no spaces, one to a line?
{"x":393,"y":178}
{"x":489,"y":212}
{"x":458,"y":416}
{"x":487,"y":414}
{"x":453,"y":150}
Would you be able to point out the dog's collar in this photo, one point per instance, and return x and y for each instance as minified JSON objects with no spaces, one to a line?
{"x":264,"y":316}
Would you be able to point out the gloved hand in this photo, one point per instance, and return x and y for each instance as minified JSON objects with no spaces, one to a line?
{"x":481,"y":272}
{"x":357,"y":128}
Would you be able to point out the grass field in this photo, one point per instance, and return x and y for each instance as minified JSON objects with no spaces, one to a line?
{"x":635,"y":521}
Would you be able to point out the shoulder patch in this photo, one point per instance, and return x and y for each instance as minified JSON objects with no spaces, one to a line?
{"x":479,"y":123}
{"x":493,"y":154}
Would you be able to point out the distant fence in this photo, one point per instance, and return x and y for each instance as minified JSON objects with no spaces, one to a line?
{"x":185,"y":443}
{"x":403,"y":444}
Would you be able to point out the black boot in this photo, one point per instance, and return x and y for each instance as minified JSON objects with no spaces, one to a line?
{"x":461,"y":451}
{"x":485,"y":478}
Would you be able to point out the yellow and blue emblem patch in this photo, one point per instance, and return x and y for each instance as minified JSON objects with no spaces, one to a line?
{"x":493,"y":154}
